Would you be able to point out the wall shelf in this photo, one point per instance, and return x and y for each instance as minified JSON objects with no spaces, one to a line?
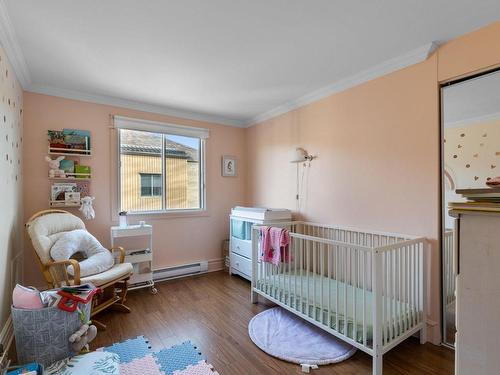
{"x":73,"y":177}
{"x":64,"y":204}
{"x":69,"y":152}
{"x":72,"y":145}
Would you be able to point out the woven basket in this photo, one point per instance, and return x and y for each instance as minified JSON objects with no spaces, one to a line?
{"x":42,"y":335}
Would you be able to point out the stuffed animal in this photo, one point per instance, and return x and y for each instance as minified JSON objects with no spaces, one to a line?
{"x":55,"y":171}
{"x":87,"y":209}
{"x":81,"y":338}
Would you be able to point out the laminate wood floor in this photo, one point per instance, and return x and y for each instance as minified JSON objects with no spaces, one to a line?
{"x":213,"y":311}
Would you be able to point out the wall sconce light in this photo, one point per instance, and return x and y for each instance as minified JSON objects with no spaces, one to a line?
{"x":299,"y":155}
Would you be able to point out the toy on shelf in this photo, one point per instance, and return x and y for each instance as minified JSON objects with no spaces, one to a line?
{"x":87,"y":209}
{"x":55,"y":170}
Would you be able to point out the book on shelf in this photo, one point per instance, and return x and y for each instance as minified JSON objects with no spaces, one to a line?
{"x":67,"y":165}
{"x":69,"y":140}
{"x":475,"y":206}
{"x":77,"y":139}
{"x":58,"y":190}
{"x":56,"y":139}
{"x":82,"y":169}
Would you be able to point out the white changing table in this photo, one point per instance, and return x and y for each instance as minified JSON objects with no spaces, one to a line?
{"x":241,"y":221}
{"x":138,"y":257}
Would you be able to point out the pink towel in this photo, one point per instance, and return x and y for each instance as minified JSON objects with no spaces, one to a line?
{"x":274,"y":245}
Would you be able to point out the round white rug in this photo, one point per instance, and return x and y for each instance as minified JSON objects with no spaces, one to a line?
{"x":283,"y":335}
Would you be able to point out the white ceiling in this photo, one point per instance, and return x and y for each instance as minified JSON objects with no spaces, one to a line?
{"x":226,"y":60}
{"x":472,"y":101}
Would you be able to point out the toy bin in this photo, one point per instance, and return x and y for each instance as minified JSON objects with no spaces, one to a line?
{"x":42,"y":335}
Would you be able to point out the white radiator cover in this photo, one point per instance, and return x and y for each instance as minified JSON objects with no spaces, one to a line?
{"x":180,"y":271}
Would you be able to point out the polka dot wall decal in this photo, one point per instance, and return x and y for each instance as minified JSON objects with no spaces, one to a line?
{"x":485,"y":135}
{"x":455,"y":156}
{"x":476,"y":178}
{"x":493,"y":166}
{"x":459,"y":146}
{"x":462,"y":135}
{"x":467,"y":165}
{"x":475,"y":155}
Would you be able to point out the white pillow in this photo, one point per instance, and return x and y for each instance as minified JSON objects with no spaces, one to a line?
{"x":99,"y":259}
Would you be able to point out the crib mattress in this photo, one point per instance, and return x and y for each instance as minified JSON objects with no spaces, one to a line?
{"x":316,"y":295}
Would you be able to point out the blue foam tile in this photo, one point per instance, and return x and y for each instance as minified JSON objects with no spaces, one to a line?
{"x":131,"y":349}
{"x":177,"y":357}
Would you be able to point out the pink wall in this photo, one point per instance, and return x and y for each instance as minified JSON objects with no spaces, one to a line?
{"x":378,"y":151}
{"x":176,"y":240}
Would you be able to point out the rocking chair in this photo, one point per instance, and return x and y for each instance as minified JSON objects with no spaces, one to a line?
{"x":44,"y":228}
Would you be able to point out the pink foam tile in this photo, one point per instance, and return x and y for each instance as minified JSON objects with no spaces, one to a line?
{"x":201,"y":368}
{"x":141,"y":366}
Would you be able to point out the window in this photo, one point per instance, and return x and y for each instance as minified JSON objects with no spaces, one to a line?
{"x":150,"y":184}
{"x":159,"y":171}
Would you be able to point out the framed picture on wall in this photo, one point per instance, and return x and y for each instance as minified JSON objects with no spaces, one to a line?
{"x":229,"y":166}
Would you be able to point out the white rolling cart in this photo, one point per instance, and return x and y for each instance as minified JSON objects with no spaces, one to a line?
{"x":141,"y":259}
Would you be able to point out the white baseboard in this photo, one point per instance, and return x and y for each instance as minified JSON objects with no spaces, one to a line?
{"x":216,"y":265}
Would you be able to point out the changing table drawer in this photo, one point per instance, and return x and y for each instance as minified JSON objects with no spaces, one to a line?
{"x":241,"y":264}
{"x":241,"y":247}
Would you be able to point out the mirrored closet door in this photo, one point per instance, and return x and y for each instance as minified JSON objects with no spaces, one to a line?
{"x":470,"y":158}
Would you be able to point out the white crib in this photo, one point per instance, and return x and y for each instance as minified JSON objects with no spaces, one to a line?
{"x":366,"y":288}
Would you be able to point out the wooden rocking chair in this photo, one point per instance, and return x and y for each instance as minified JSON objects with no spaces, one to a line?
{"x":44,"y":228}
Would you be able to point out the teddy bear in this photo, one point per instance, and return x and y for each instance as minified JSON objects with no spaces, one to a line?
{"x":55,"y":171}
{"x":87,"y":209}
{"x":81,"y":338}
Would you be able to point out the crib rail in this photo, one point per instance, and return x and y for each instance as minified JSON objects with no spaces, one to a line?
{"x":366,"y":288}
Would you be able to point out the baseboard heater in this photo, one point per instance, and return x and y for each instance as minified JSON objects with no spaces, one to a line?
{"x":180,"y":271}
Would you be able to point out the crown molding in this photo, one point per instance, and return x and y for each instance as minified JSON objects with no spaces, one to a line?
{"x":410,"y":58}
{"x":131,"y":104}
{"x":472,"y":120}
{"x":8,"y":40}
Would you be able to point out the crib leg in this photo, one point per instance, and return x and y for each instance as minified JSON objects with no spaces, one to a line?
{"x":377,"y":364}
{"x":255,"y":297}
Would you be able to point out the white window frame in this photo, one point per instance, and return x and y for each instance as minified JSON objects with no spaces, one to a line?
{"x":127,"y":123}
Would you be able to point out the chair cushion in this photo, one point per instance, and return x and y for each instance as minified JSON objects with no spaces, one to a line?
{"x":116,"y":272}
{"x":46,"y":229}
{"x":98,"y":258}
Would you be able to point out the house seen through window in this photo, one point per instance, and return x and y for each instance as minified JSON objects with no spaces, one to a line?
{"x":159,"y":172}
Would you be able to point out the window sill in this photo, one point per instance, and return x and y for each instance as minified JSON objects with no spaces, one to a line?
{"x":160,"y":215}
